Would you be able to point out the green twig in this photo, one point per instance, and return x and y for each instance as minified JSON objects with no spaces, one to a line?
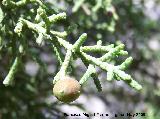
{"x":9,"y":78}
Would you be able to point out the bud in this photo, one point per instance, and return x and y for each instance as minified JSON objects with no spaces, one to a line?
{"x":67,"y":89}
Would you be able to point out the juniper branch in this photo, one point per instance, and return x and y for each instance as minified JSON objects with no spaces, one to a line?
{"x":12,"y":4}
{"x":9,"y":78}
{"x":56,"y":38}
{"x":108,"y":67}
{"x":68,"y":56}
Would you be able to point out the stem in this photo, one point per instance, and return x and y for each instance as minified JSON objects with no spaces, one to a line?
{"x":9,"y":78}
{"x":97,"y":48}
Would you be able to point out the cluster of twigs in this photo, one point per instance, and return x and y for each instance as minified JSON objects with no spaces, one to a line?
{"x":41,"y":26}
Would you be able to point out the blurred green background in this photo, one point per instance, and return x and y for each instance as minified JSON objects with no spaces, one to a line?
{"x":136,"y":23}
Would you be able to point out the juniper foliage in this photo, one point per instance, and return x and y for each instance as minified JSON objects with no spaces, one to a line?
{"x":29,"y":25}
{"x":40,"y":25}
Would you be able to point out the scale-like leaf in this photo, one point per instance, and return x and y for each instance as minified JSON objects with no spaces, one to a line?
{"x":1,"y":15}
